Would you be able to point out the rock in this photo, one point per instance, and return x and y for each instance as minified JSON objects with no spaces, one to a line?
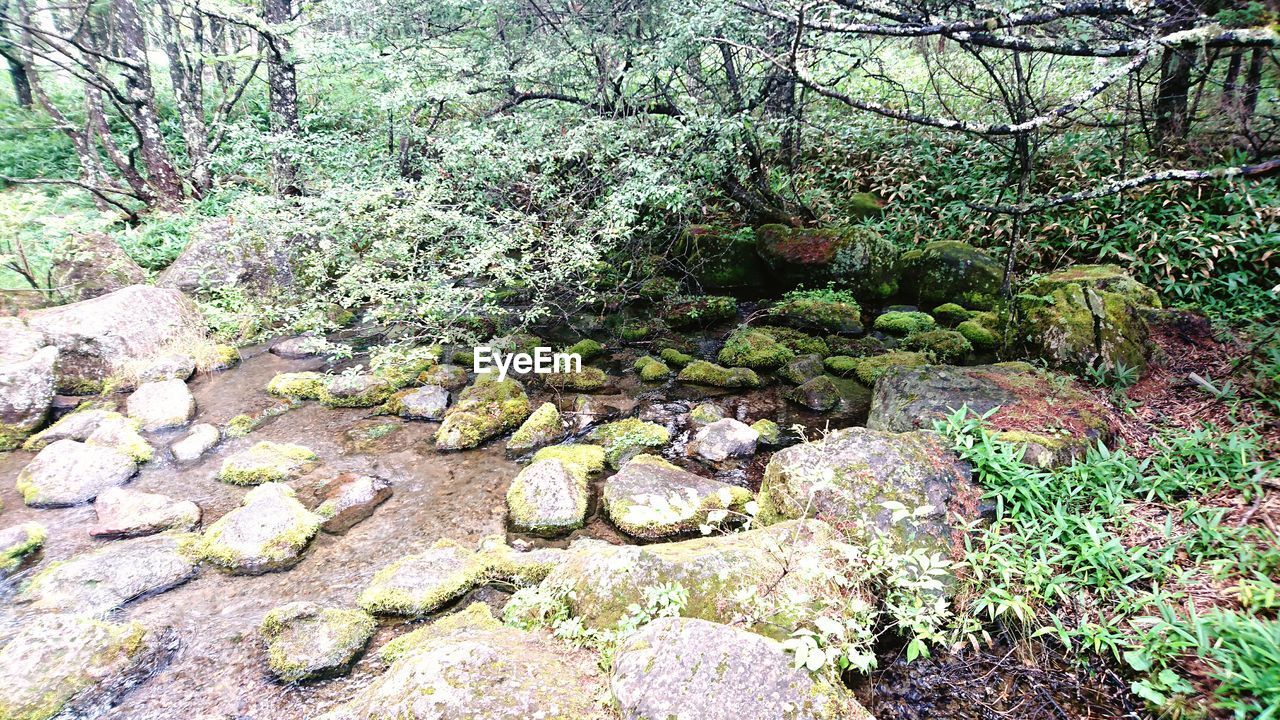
{"x":92,"y":264}
{"x":904,"y":322}
{"x":543,"y":427}
{"x":683,"y":667}
{"x":17,"y":341}
{"x":16,"y":543}
{"x":162,"y":405}
{"x":267,"y":533}
{"x":1052,"y":416}
{"x":221,"y":255}
{"x":26,"y":393}
{"x":421,"y":583}
{"x":856,"y":257}
{"x":72,"y":666}
{"x":76,"y":425}
{"x":722,"y":258}
{"x":449,"y":377}
{"x":102,"y":336}
{"x":350,"y":498}
{"x":651,"y":369}
{"x":586,"y":349}
{"x":686,"y":313}
{"x":870,"y":369}
{"x":424,"y":403}
{"x":96,"y":582}
{"x":725,"y":438}
{"x":588,"y":457}
{"x":768,"y":430}
{"x":852,"y":478}
{"x":625,"y":438}
{"x":948,"y":271}
{"x":584,"y":380}
{"x":802,"y":369}
{"x":307,"y":385}
{"x":951,"y":314}
{"x":119,"y":433}
{"x":129,"y":513}
{"x":831,"y":394}
{"x":484,"y":409}
{"x":522,"y":568}
{"x":549,"y":497}
{"x":468,"y":665}
{"x":1066,"y":320}
{"x":982,"y":331}
{"x":172,"y":366}
{"x":199,"y":439}
{"x":701,"y":372}
{"x":753,"y":348}
{"x":1102,"y":278}
{"x":356,"y":390}
{"x":821,"y":310}
{"x":267,"y":462}
{"x":305,"y":640}
{"x":704,"y":414}
{"x":675,"y":358}
{"x":779,"y":575}
{"x":943,"y":346}
{"x":301,"y":347}
{"x":651,"y":498}
{"x":68,"y":472}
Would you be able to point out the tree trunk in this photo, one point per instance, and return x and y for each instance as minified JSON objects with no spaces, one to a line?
{"x":186,"y":72}
{"x":1171,"y":99}
{"x":21,"y":81}
{"x":161,"y":175}
{"x":282,"y":82}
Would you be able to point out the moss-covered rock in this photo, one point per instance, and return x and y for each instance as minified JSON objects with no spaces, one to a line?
{"x":841,"y":365}
{"x":948,"y":271}
{"x":298,"y":385}
{"x":802,"y":369}
{"x":428,"y":402}
{"x":797,"y":342}
{"x":16,"y":543}
{"x":543,"y":427}
{"x":625,"y":438}
{"x":699,"y":311}
{"x":99,"y":581}
{"x":770,"y":433}
{"x":831,"y":394}
{"x":822,"y":310}
{"x":584,"y":380}
{"x":588,"y":457}
{"x":121,"y":434}
{"x":637,"y":330}
{"x":1052,"y":417}
{"x":305,"y":640}
{"x":78,"y":424}
{"x":944,"y":346}
{"x":124,"y":512}
{"x":449,"y":377}
{"x":722,"y":258}
{"x":68,"y":473}
{"x":586,"y":348}
{"x":522,"y":568}
{"x":419,"y":584}
{"x":267,"y":533}
{"x":951,"y":314}
{"x":857,"y":258}
{"x":1103,"y":278}
{"x":549,"y":497}
{"x":267,"y":462}
{"x":1074,"y":325}
{"x":701,"y":372}
{"x":651,"y":498}
{"x":982,"y":331}
{"x":651,"y":369}
{"x":869,"y":369}
{"x":485,"y":409}
{"x":357,"y":390}
{"x":755,"y":349}
{"x":675,"y":358}
{"x":904,"y":322}
{"x":704,"y":414}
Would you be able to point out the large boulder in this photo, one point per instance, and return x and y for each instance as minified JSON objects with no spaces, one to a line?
{"x":26,"y":392}
{"x":469,"y":665}
{"x":651,"y":498}
{"x":17,"y":341}
{"x":130,"y":513}
{"x":69,"y":472}
{"x":1052,"y":417}
{"x":948,"y":271}
{"x":484,"y":409}
{"x":864,"y":481}
{"x":419,"y":584}
{"x":267,"y":533}
{"x":102,"y":580}
{"x":101,"y":336}
{"x":93,"y":264}
{"x":549,"y":497}
{"x":627,"y":438}
{"x":162,"y":405}
{"x":1083,"y":318}
{"x":72,"y":666}
{"x":857,"y":258}
{"x":305,"y":640}
{"x":223,"y":253}
{"x":780,"y":576}
{"x":684,"y":667}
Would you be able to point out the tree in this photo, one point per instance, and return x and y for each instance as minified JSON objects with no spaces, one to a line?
{"x":282,"y":81}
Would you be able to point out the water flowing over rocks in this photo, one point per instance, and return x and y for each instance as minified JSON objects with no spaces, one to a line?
{"x":350,"y":498}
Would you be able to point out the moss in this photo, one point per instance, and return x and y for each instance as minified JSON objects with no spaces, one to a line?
{"x":948,"y":271}
{"x":344,"y":632}
{"x":357,"y":391}
{"x":419,"y":584}
{"x":700,"y":311}
{"x":899,"y":322}
{"x":122,"y":435}
{"x":1108,"y":278}
{"x":224,"y":357}
{"x":951,"y":314}
{"x":299,"y":385}
{"x":824,"y":310}
{"x":474,"y":617}
{"x":586,"y":379}
{"x":770,"y":432}
{"x":586,"y":348}
{"x":449,"y":377}
{"x":944,"y":346}
{"x":543,"y":426}
{"x":637,"y":330}
{"x":527,"y":517}
{"x":266,"y":462}
{"x":841,"y":365}
{"x":979,"y":334}
{"x":11,"y":437}
{"x":756,"y":349}
{"x":651,"y":369}
{"x":674,"y":358}
{"x":588,"y":457}
{"x":870,"y":369}
{"x":625,"y":438}
{"x":705,"y":414}
{"x":485,"y":409}
{"x":701,"y":372}
{"x":33,"y":539}
{"x":283,"y":550}
{"x":240,"y":425}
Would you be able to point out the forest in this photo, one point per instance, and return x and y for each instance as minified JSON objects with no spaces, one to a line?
{"x":929,"y":359}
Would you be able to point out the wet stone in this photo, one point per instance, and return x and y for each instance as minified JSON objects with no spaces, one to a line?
{"x":350,"y":498}
{"x":174,"y":366}
{"x":68,"y":472}
{"x":724,"y":439}
{"x":131,"y":513}
{"x":420,"y":583}
{"x":549,"y":497}
{"x":269,"y":532}
{"x":305,"y":640}
{"x":162,"y":405}
{"x":651,"y":498}
{"x":301,"y":347}
{"x":17,"y":543}
{"x":425,"y":403}
{"x":101,"y":580}
{"x":267,"y":462}
{"x":199,"y":439}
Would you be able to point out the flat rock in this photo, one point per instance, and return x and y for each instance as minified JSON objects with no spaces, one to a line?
{"x":301,"y":347}
{"x":102,"y":580}
{"x":305,"y":640}
{"x":419,"y":584}
{"x":802,"y":369}
{"x":69,"y":472}
{"x":170,"y":366}
{"x":120,"y":433}
{"x":425,"y":403}
{"x":651,"y":498}
{"x":26,"y":393}
{"x":199,"y":440}
{"x":130,"y":513}
{"x":684,"y":667}
{"x":76,"y":425}
{"x":18,"y":542}
{"x":549,"y":497}
{"x":162,"y":405}
{"x":350,"y":498}
{"x":72,"y":665}
{"x":724,"y":439}
{"x":269,"y":532}
{"x":267,"y":462}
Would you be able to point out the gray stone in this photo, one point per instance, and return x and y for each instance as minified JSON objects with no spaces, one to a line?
{"x":119,"y":433}
{"x":305,"y":640}
{"x":269,"y":532}
{"x":425,"y":403}
{"x":102,"y":580}
{"x":831,"y":394}
{"x":68,"y":472}
{"x":130,"y":513}
{"x":689,"y":668}
{"x":549,"y":497}
{"x":350,"y":498}
{"x":92,"y":264}
{"x":356,"y":390}
{"x":802,"y":369}
{"x":704,"y":414}
{"x":18,"y":542}
{"x":17,"y":341}
{"x":198,"y":440}
{"x":172,"y":366}
{"x":724,"y":439}
{"x":76,"y":425}
{"x":221,"y":255}
{"x":421,"y":583}
{"x":301,"y":347}
{"x":162,"y":405}
{"x":26,"y":392}
{"x":651,"y":498}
